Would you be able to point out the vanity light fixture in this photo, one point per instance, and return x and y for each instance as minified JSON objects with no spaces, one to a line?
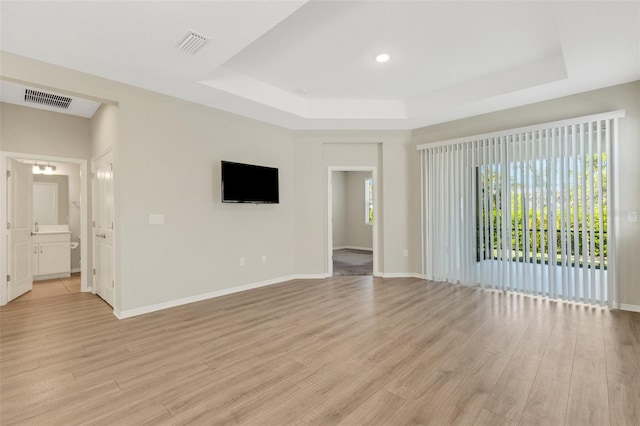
{"x":41,"y":169}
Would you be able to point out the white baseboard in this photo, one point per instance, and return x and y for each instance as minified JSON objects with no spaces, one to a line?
{"x":74,"y":270}
{"x":200,"y":297}
{"x":51,"y":276}
{"x":401,"y":275}
{"x":353,"y":248}
{"x":627,"y":307}
{"x":309,"y":276}
{"x":218,"y":293}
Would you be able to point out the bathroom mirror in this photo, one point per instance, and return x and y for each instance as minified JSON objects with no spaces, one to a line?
{"x":51,"y":199}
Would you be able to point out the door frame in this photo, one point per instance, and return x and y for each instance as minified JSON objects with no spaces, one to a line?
{"x":84,"y":208}
{"x":376,"y":217}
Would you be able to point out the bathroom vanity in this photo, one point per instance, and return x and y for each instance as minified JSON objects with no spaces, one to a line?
{"x":50,"y":251}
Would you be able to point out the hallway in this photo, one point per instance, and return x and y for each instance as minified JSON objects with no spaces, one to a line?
{"x":347,"y":262}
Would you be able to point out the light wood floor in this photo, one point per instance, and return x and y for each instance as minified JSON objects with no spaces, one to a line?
{"x":53,"y":287}
{"x":349,"y":350}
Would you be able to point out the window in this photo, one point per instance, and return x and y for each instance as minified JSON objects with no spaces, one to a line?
{"x":549,"y":219}
{"x":368,"y":201}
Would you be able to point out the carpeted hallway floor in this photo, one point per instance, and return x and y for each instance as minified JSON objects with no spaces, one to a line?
{"x":352,"y":262}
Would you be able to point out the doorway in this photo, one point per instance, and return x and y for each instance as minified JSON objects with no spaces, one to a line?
{"x":352,"y":221}
{"x":44,"y":236}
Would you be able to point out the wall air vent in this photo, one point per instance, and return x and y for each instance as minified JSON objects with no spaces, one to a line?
{"x":191,"y":42}
{"x":43,"y":98}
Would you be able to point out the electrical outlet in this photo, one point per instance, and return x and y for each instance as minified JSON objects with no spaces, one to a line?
{"x":242,"y":262}
{"x":264,"y":259}
{"x":406,"y":253}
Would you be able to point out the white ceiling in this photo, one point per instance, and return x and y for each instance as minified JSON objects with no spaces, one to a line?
{"x":311,"y":64}
{"x":14,"y":93}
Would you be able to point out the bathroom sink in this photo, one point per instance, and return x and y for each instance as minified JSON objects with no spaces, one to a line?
{"x":52,"y":229}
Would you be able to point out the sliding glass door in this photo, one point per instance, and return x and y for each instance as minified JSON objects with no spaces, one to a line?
{"x":523,"y":210}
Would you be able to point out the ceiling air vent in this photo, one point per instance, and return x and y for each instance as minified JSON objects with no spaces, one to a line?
{"x":191,"y":42}
{"x":43,"y":98}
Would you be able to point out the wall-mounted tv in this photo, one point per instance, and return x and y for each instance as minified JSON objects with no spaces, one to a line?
{"x":248,"y":183}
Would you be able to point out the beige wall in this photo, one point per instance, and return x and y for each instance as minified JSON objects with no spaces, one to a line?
{"x":625,"y":96}
{"x":104,"y":129}
{"x":167,"y":157}
{"x":388,"y":151}
{"x":348,"y":207}
{"x":339,"y":209}
{"x":359,"y":233}
{"x":34,"y":131}
{"x":168,"y":162}
{"x":73,"y":172}
{"x":315,"y":152}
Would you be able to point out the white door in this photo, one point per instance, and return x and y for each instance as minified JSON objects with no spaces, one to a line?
{"x":19,"y":215}
{"x":103,"y":256}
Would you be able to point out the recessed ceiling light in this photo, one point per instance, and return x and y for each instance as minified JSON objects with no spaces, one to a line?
{"x":383,"y":57}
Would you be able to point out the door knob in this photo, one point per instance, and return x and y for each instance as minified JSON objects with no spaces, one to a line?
{"x":101,"y":235}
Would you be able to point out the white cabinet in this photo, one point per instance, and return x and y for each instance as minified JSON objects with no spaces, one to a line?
{"x":51,"y":255}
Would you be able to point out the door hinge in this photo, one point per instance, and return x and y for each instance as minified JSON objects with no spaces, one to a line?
{"x":93,"y":175}
{"x":8,"y":278}
{"x":94,"y":271}
{"x":8,"y":173}
{"x":8,"y":225}
{"x":93,"y":223}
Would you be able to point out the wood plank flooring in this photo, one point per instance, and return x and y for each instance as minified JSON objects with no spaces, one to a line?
{"x":53,"y":287}
{"x":345,"y":350}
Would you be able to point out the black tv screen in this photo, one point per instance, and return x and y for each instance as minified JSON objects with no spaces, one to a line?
{"x":247,"y":183}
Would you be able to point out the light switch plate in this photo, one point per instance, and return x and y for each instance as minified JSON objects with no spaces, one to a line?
{"x":632,"y":216}
{"x":156,"y":219}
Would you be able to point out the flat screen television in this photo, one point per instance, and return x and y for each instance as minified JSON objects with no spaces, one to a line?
{"x":248,"y":183}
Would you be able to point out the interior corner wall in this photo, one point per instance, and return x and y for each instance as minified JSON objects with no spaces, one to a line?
{"x":339,"y":209}
{"x":624,"y":96}
{"x":104,"y":129}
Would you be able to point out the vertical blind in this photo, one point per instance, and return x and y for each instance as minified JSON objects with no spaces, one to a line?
{"x":525,"y":210}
